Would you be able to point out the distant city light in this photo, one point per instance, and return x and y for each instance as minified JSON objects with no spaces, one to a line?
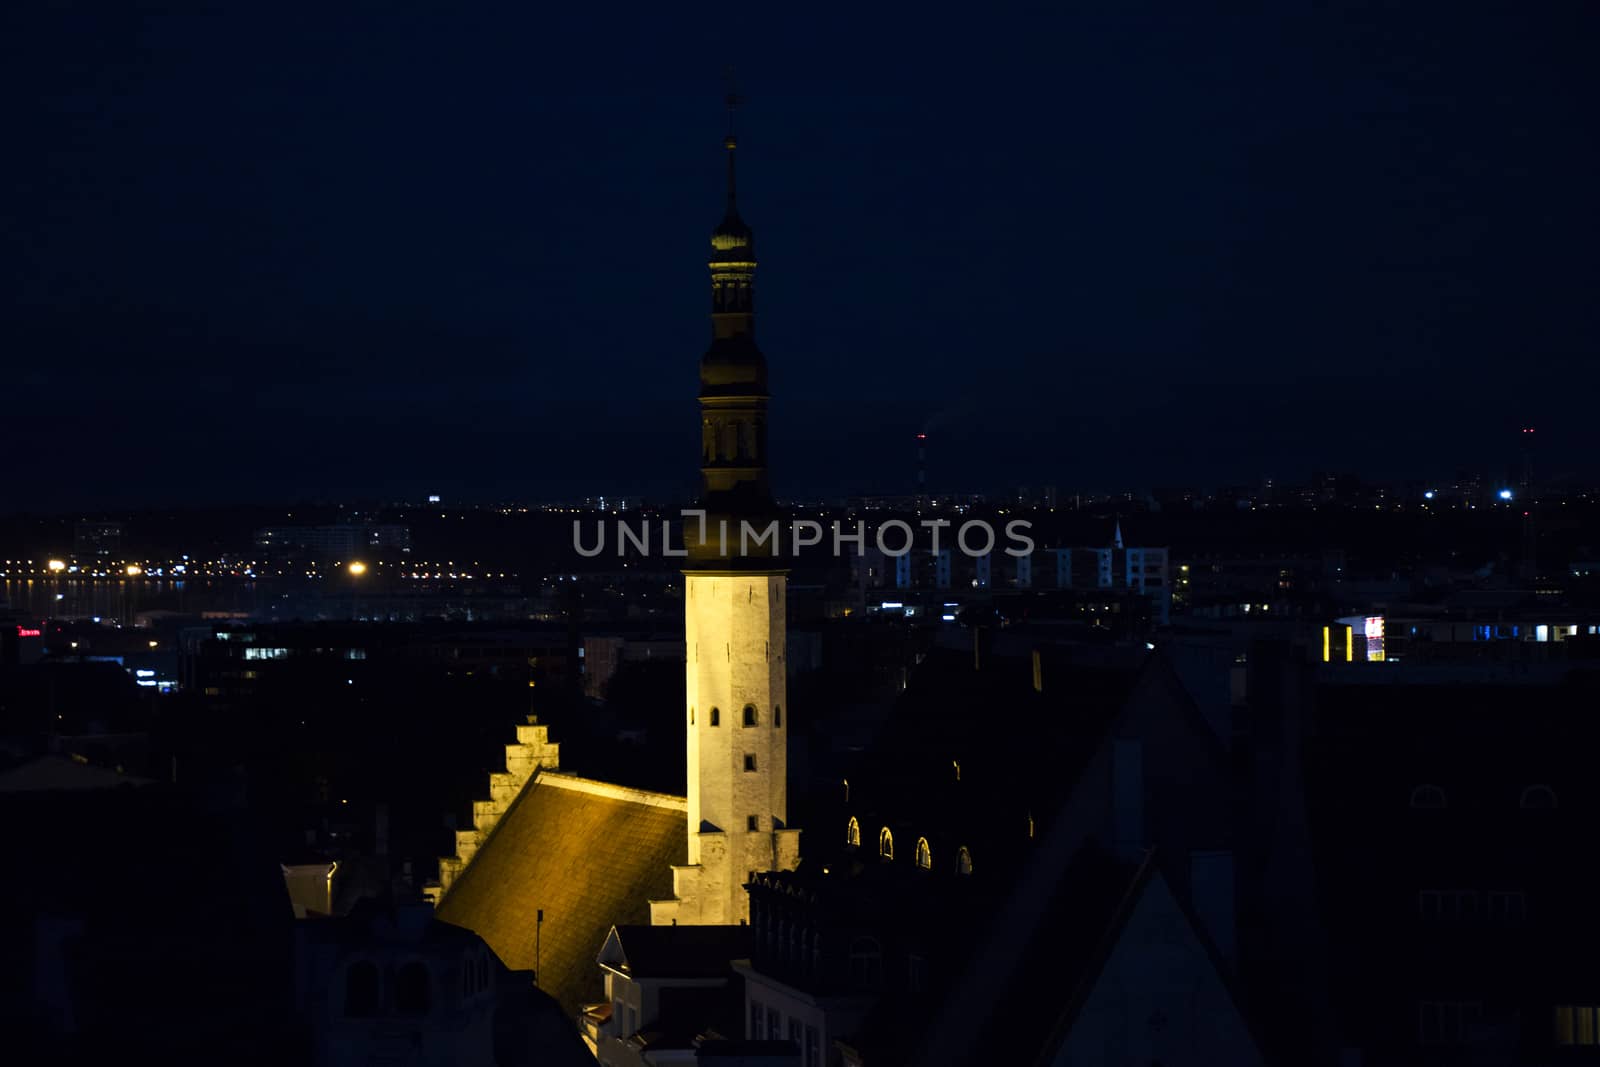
{"x":1428,"y":495}
{"x":1505,"y":494}
{"x":434,"y":498}
{"x":357,"y":568}
{"x":57,"y":565}
{"x":134,"y":570}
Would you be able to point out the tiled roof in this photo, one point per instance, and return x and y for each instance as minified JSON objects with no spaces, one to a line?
{"x":590,"y":855}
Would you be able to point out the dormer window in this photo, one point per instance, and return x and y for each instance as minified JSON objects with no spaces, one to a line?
{"x":1429,"y":796}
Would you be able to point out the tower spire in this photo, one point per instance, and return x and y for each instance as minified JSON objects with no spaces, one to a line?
{"x":731,"y":143}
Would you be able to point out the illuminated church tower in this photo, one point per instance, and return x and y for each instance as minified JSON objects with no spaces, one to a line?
{"x":734,"y":612}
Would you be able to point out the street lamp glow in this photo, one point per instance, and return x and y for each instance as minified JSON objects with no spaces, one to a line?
{"x":1505,"y":494}
{"x":358,"y":568}
{"x":134,"y":570}
{"x":57,"y":565}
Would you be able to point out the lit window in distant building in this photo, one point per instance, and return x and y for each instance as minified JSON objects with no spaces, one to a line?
{"x":1428,"y":796}
{"x":963,"y":861}
{"x":852,"y":833}
{"x":924,"y":854}
{"x":886,"y":844}
{"x":1539,"y":797}
{"x":1575,"y":1024}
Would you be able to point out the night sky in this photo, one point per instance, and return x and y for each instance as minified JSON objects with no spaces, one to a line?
{"x":264,"y":255}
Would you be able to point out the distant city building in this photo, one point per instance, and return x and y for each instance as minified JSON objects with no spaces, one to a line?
{"x":340,"y":541}
{"x":97,"y":540}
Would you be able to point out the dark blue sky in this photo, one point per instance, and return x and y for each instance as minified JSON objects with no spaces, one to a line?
{"x":258,"y":255}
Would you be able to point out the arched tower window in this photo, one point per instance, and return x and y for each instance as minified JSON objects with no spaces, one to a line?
{"x":1031,"y":828}
{"x":361,"y":990}
{"x":886,"y":844}
{"x":852,"y":833}
{"x":749,"y":715}
{"x":716,"y":717}
{"x":1429,"y":796}
{"x":691,"y":715}
{"x":924,"y":854}
{"x":1539,"y":797}
{"x":777,"y":716}
{"x":412,"y":995}
{"x":963,"y":861}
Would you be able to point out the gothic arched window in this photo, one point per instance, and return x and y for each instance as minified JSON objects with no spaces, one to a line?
{"x":749,"y":715}
{"x":361,"y":989}
{"x":924,"y":854}
{"x":963,"y":861}
{"x":886,"y":844}
{"x":852,"y":833}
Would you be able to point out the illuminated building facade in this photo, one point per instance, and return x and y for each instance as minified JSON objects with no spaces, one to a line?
{"x":734,"y":616}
